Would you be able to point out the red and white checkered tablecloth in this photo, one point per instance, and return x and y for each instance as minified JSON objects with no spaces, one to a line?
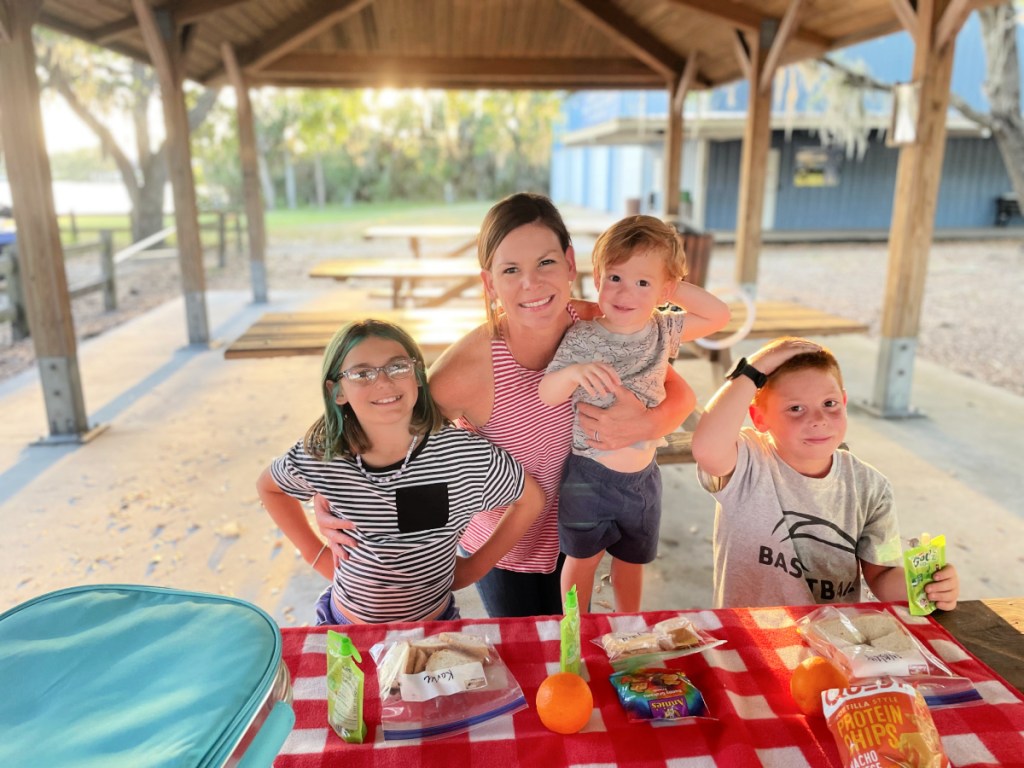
{"x":745,"y":683}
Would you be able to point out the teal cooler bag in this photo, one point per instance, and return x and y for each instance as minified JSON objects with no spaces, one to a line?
{"x":119,"y":675}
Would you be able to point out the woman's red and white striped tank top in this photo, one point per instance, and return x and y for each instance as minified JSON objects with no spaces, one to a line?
{"x":539,"y":437}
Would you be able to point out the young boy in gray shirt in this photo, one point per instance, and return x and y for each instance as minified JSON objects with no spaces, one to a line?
{"x":798,"y":521}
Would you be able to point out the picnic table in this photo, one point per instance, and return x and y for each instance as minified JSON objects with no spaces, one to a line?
{"x":282,"y":334}
{"x":416,"y":234}
{"x":745,"y":683}
{"x":460,"y":275}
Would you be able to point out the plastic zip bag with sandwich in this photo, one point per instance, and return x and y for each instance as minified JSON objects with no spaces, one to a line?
{"x":439,"y":685}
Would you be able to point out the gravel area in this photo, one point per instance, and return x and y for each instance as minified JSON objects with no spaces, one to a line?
{"x":970,"y":322}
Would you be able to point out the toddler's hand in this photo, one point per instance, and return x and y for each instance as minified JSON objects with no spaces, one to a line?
{"x":944,"y":589}
{"x":597,"y":379}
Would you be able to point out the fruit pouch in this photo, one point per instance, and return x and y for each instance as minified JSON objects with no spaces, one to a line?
{"x":920,"y":563}
{"x":658,"y":694}
{"x":634,"y":644}
{"x":881,"y":725}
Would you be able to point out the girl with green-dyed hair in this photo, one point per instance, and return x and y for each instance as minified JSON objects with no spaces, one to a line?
{"x":338,"y":432}
{"x":402,"y":482}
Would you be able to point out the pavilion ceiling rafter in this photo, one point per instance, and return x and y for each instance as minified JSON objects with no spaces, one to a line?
{"x":626,"y":32}
{"x":477,"y":72}
{"x":299,"y":28}
{"x":748,"y":19}
{"x":183,"y":11}
{"x":787,"y":27}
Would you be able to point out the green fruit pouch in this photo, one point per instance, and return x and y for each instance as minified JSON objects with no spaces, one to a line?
{"x":344,"y":688}
{"x":920,"y":563}
{"x":571,"y":653}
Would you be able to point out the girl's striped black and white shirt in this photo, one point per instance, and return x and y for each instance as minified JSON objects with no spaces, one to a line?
{"x":408,"y":530}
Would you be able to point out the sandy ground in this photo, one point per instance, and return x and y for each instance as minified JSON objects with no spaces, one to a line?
{"x":166,"y":495}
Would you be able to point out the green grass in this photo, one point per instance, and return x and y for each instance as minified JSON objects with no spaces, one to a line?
{"x":309,"y":224}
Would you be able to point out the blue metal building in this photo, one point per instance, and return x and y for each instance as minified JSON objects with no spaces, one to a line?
{"x":609,"y":151}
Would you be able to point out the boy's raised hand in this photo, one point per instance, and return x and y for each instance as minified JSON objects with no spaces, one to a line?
{"x":771,"y":356}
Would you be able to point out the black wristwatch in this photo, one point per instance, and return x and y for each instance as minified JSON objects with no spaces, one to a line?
{"x":743,"y":368}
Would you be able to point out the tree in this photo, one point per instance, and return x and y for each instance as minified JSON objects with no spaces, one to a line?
{"x":1002,"y":87}
{"x":95,"y":83}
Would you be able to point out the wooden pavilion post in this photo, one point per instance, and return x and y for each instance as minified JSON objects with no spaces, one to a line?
{"x":757,"y":137}
{"x":250,"y":177}
{"x":673,"y":170}
{"x":759,"y":56}
{"x":164,"y":45}
{"x":913,"y":216}
{"x":40,"y":255}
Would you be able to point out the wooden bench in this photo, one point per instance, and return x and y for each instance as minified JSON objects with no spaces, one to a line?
{"x":282,"y":334}
{"x":679,"y":449}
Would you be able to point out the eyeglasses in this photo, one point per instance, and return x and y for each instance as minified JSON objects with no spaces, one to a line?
{"x":401,"y":368}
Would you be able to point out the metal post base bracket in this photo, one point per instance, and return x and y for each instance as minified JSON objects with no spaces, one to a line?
{"x":78,"y":439}
{"x":893,"y":380}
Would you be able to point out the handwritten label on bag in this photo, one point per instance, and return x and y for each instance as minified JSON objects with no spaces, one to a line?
{"x":429,"y":685}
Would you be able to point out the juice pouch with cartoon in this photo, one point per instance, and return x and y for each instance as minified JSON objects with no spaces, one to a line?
{"x":919,"y":565}
{"x":885,"y":723}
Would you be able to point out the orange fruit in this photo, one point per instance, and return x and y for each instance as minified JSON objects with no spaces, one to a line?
{"x":810,"y":678}
{"x":564,"y":702}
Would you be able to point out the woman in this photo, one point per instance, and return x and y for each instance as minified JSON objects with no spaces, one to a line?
{"x":488,"y":382}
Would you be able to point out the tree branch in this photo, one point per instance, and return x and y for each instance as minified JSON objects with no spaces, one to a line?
{"x":58,"y":80}
{"x":861,"y":80}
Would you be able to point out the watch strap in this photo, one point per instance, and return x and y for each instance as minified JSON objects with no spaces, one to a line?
{"x":744,"y":368}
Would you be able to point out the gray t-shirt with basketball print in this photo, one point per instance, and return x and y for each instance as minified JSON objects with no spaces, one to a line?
{"x":782,"y":538}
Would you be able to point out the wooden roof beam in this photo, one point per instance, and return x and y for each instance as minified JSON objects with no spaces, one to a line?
{"x":289,"y":36}
{"x":429,"y":70}
{"x":952,"y":20}
{"x":685,"y":82}
{"x":750,"y":20}
{"x":907,"y":15}
{"x":786,"y":28}
{"x":184,"y":12}
{"x":73,"y":30}
{"x":5,"y":22}
{"x":741,"y":48}
{"x":630,"y":35}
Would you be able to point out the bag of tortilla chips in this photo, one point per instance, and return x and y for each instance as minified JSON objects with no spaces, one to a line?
{"x":885,"y":723}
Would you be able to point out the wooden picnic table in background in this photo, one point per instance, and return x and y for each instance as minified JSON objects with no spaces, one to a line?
{"x":281,"y":334}
{"x":287,"y":334}
{"x":405,"y":274}
{"x":773,"y":319}
{"x":416,"y":234}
